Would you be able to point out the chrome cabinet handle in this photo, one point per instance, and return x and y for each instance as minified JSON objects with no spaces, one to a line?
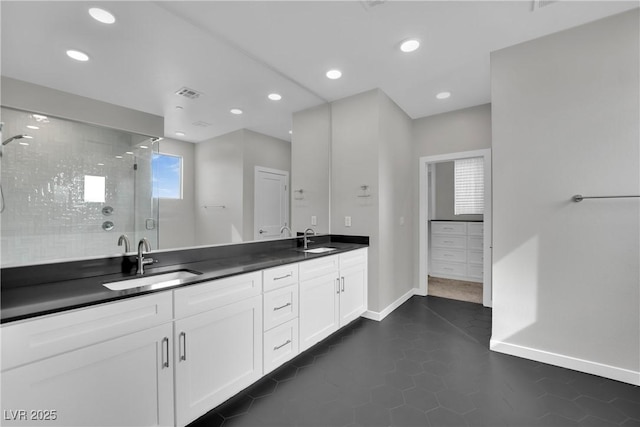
{"x":262,"y":231}
{"x":282,"y":277}
{"x":278,"y":347}
{"x":342,"y":280}
{"x":165,"y":348}
{"x":281,"y":307}
{"x":183,"y":346}
{"x":338,"y":285}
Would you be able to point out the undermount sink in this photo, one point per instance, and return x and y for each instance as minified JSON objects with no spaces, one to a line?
{"x":155,"y":280}
{"x":318,"y":250}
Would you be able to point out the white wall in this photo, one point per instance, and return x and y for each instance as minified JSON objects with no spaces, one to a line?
{"x":177,"y":216}
{"x":566,"y":275}
{"x":310,"y":168}
{"x":219,"y":181}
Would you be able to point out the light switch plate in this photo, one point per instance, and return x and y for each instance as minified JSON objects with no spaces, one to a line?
{"x":347,"y":221}
{"x":314,"y":220}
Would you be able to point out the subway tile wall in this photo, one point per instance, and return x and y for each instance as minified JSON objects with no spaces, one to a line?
{"x":46,"y":217}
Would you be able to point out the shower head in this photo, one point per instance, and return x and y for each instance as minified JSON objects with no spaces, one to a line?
{"x":6,"y":141}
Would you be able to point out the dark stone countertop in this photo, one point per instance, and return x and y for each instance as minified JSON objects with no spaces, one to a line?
{"x":51,"y":288}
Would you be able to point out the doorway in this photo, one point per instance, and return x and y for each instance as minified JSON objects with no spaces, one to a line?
{"x":271,"y":202}
{"x":427,"y":213}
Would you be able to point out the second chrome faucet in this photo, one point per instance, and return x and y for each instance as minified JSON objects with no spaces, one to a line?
{"x":143,"y":245}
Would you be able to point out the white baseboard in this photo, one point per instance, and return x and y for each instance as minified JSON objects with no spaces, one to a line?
{"x":378,"y":316}
{"x":606,"y":371}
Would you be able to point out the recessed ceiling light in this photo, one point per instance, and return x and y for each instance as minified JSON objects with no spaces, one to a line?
{"x":27,"y":136}
{"x":100,"y":164}
{"x":129,"y":152}
{"x":33,"y":127}
{"x":290,"y":132}
{"x":274,"y":96}
{"x":23,"y":143}
{"x":77,"y":55}
{"x":235,"y":111}
{"x":143,"y":146}
{"x":40,"y":118}
{"x":179,"y":107}
{"x":180,"y":133}
{"x":118,"y":157}
{"x":443,"y":95}
{"x":334,"y":74}
{"x":409,"y":45}
{"x":102,"y":15}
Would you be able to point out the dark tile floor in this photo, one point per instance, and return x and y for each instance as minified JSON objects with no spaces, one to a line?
{"x":426,"y":364}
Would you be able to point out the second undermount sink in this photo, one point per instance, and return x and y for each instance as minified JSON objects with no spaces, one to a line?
{"x":155,"y":280}
{"x":318,"y":250}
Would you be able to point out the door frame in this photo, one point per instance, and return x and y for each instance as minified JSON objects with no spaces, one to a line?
{"x":425,"y":203}
{"x":287,"y":202}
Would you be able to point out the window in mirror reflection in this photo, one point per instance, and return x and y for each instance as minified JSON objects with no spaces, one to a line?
{"x":94,"y":188}
{"x":167,"y":176}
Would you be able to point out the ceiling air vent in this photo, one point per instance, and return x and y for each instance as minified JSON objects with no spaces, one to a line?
{"x":188,"y":93}
{"x":539,"y":4}
{"x":201,"y":124}
{"x":368,"y":4}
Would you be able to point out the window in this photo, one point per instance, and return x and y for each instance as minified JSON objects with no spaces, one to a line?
{"x":167,"y":176}
{"x":469,"y":186}
{"x":94,"y":188}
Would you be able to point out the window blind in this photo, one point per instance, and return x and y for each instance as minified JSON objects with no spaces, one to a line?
{"x":469,"y":186}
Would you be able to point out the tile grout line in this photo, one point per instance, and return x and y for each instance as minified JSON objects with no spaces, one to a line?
{"x":448,"y":322}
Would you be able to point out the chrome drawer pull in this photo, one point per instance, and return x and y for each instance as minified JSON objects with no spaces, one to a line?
{"x":283,"y":277}
{"x":183,"y":348}
{"x":278,"y":347}
{"x":281,"y":307}
{"x":342,"y":280}
{"x":448,"y":255}
{"x":165,"y":364}
{"x":338,"y":285}
{"x":448,"y":228}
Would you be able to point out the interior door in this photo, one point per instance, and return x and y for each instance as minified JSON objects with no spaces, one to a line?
{"x":271,"y":208}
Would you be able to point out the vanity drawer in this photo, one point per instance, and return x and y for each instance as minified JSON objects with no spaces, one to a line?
{"x":206,"y":296}
{"x":280,"y":305}
{"x":452,"y":242}
{"x":475,"y":257}
{"x":448,"y":268}
{"x":319,"y":267}
{"x":30,"y":340}
{"x":476,"y":228}
{"x":279,"y":277}
{"x":455,"y":228}
{"x":474,"y":242}
{"x":457,"y":255}
{"x":280,"y":345}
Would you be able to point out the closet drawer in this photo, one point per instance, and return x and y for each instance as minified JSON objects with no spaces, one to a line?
{"x":474,"y":242}
{"x":279,"y":277}
{"x":319,"y":267}
{"x":475,"y":228}
{"x":458,"y":255}
{"x":216,"y":293}
{"x":448,"y":268}
{"x":280,"y":305}
{"x":475,"y":271}
{"x":280,"y":345}
{"x":475,"y":257}
{"x":446,"y":227}
{"x":452,"y":242}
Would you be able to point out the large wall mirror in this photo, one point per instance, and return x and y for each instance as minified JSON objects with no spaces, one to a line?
{"x":207,"y":177}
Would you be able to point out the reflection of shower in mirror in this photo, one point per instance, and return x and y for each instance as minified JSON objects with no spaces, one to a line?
{"x":5,"y":142}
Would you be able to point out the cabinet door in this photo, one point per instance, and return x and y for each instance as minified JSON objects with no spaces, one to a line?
{"x":353,"y":283}
{"x":319,"y":309}
{"x":218,"y":353}
{"x":127,"y":381}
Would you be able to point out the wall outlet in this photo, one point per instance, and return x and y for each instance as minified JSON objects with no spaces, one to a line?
{"x":401,"y":220}
{"x":314,"y":220}
{"x":347,"y":221}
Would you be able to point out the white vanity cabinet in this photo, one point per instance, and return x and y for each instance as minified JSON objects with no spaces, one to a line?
{"x":74,"y":368}
{"x":218,"y":342}
{"x":333,"y":292}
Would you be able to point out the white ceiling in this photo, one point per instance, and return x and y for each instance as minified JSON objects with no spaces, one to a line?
{"x":237,"y":52}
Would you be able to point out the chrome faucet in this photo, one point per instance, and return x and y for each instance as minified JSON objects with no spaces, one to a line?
{"x":142,"y":261}
{"x":284,"y":227}
{"x":124,"y":239}
{"x":306,"y":239}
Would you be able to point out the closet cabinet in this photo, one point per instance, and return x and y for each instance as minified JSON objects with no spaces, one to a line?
{"x":456,"y":249}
